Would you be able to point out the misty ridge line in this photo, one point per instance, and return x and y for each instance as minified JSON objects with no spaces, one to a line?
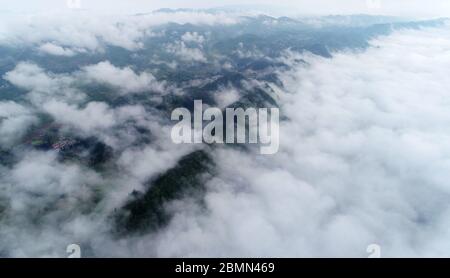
{"x":263,"y":127}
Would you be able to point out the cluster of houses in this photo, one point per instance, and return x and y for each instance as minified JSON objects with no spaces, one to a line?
{"x":63,"y":144}
{"x":47,"y":137}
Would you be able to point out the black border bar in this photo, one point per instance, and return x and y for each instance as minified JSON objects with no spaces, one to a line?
{"x":303,"y":267}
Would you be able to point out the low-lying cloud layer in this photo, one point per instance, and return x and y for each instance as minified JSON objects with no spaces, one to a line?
{"x":81,"y":31}
{"x":364,"y":158}
{"x":363,"y":155}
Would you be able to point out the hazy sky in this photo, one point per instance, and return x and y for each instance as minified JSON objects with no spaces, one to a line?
{"x":391,"y":7}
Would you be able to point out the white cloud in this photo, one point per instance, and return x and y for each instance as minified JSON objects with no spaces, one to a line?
{"x":144,"y":163}
{"x":96,"y":116}
{"x":364,"y":158}
{"x":86,"y":31}
{"x":193,"y":37}
{"x":14,"y":121}
{"x":226,"y":96}
{"x":43,"y":86}
{"x":124,"y":79}
{"x":30,"y":77}
{"x":39,"y":182}
{"x":186,"y":53}
{"x":53,"y":49}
